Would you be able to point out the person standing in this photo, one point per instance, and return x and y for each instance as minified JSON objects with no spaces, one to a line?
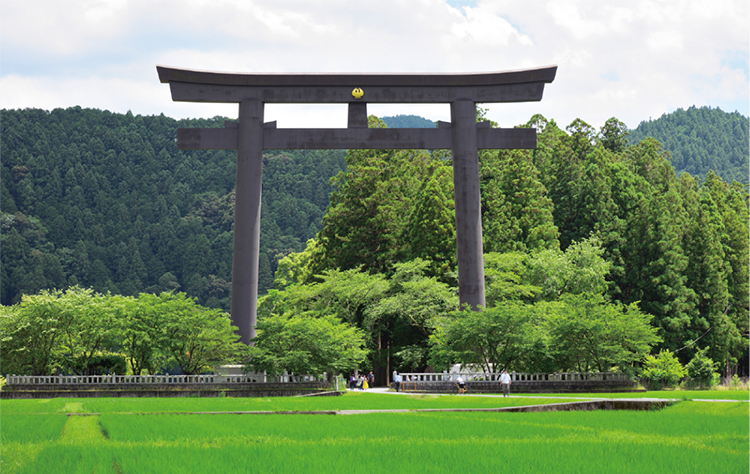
{"x":371,"y":379}
{"x":505,"y":382}
{"x":397,"y":380}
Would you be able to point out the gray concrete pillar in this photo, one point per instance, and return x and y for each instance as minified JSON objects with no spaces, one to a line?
{"x":247,"y":218}
{"x":468,"y":204}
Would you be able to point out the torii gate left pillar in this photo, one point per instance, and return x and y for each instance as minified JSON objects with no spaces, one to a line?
{"x":250,"y":136}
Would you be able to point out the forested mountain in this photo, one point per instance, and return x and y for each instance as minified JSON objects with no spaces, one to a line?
{"x":702,"y":139}
{"x":408,"y":121}
{"x":107,"y":201}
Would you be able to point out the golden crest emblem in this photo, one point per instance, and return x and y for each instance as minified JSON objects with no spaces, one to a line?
{"x":358,"y":93}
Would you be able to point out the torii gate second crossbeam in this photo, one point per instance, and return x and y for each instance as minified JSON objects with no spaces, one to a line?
{"x":250,"y":136}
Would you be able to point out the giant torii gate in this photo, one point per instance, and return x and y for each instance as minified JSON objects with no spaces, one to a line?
{"x":250,"y":136}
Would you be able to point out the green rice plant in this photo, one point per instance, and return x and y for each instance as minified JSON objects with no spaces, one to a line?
{"x":82,"y":430}
{"x":687,"y":437}
{"x":677,"y":439}
{"x":15,"y":457}
{"x":40,"y":406}
{"x":349,"y":401}
{"x":31,"y":428}
{"x":73,"y":459}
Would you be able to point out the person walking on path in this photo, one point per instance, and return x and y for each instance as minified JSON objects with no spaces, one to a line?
{"x":397,"y":380}
{"x":371,"y":379}
{"x":505,"y":382}
{"x":461,"y":385}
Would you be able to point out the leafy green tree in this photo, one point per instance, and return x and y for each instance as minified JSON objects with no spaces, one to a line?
{"x":413,"y":298}
{"x":654,"y":256}
{"x":92,"y":329}
{"x":586,"y":333}
{"x":306,"y":345}
{"x":732,"y":204}
{"x":506,"y":278}
{"x":196,"y":338}
{"x":492,"y":339}
{"x":295,"y":267}
{"x":140,"y":329}
{"x":30,"y":341}
{"x":4,"y":284}
{"x":614,"y":135}
{"x":344,"y":294}
{"x":580,"y":269}
{"x":516,"y":212}
{"x":395,"y":313}
{"x":663,"y":370}
{"x":701,"y":369}
{"x":431,"y":232}
{"x":367,"y":220}
{"x":707,"y":270}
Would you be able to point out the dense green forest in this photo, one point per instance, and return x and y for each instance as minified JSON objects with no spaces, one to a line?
{"x":588,"y":226}
{"x":583,"y":214}
{"x":701,"y":140}
{"x":107,"y":201}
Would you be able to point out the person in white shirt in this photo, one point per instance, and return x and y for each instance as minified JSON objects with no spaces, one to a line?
{"x":461,"y":385}
{"x":505,"y":382}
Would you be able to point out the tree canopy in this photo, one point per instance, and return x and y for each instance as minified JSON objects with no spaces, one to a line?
{"x":592,"y":223}
{"x":76,"y":331}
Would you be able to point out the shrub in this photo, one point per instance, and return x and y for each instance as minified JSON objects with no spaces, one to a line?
{"x":701,"y":370}
{"x":662,"y":371}
{"x":737,"y":384}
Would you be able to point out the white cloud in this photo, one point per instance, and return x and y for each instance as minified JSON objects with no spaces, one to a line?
{"x":630,"y":59}
{"x":487,"y":29}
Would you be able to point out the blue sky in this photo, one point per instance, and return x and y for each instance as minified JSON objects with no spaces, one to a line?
{"x":630,"y":59}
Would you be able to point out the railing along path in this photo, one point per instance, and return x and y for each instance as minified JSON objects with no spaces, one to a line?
{"x":155,"y":379}
{"x":514,"y":376}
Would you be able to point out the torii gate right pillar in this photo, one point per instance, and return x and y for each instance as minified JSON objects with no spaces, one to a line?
{"x":468,"y":204}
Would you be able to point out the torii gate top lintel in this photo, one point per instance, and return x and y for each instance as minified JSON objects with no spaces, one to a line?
{"x":542,"y":74}
{"x":209,"y":86}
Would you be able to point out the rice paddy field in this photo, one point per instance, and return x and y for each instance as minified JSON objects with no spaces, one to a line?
{"x":171,"y":435}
